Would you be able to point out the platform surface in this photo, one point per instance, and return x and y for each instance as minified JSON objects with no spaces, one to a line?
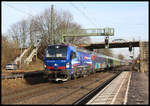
{"x":128,"y":88}
{"x":139,"y":88}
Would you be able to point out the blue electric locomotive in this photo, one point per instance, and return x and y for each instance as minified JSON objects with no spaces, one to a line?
{"x":63,"y":62}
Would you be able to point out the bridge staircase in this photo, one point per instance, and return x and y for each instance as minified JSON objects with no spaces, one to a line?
{"x":20,"y":57}
{"x":19,"y":60}
{"x":144,"y":58}
{"x":32,"y":54}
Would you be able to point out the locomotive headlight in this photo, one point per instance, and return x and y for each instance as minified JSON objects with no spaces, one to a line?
{"x":67,"y":65}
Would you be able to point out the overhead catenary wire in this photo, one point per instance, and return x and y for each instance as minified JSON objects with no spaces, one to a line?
{"x":91,"y":21}
{"x":85,"y":9}
{"x":35,"y":11}
{"x":19,"y":10}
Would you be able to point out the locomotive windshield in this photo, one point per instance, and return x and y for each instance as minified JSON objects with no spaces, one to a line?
{"x":56,"y":52}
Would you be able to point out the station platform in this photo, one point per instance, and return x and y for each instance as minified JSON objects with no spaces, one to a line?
{"x":128,"y":88}
{"x":139,"y":88}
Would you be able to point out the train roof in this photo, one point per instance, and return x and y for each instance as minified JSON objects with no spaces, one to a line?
{"x":101,"y":55}
{"x":87,"y":51}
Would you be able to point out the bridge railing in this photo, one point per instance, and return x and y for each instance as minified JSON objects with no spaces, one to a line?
{"x":90,"y":32}
{"x":32,"y":53}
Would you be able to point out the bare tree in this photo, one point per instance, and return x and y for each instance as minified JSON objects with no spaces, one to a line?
{"x":9,"y":50}
{"x":62,"y":23}
{"x":65,"y":25}
{"x":15,"y":33}
{"x":24,"y":32}
{"x":40,"y":26}
{"x":19,"y":33}
{"x":35,"y":31}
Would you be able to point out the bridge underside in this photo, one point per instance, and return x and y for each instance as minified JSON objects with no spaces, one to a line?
{"x":112,"y":45}
{"x":143,"y":47}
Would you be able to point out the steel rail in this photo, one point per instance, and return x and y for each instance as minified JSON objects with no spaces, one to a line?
{"x":21,"y":75}
{"x":12,"y":76}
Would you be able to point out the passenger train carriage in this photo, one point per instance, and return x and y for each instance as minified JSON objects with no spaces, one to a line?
{"x":64,"y":62}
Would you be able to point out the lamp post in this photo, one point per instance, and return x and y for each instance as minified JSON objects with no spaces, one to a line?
{"x":133,"y":48}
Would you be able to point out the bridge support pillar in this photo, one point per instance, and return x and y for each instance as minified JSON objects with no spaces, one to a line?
{"x":144,"y":59}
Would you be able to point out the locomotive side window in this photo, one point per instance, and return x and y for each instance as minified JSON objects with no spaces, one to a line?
{"x":73,"y":55}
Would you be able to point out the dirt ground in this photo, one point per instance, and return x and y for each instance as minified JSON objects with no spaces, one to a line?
{"x":35,"y":65}
{"x":9,"y":84}
{"x":51,"y":91}
{"x":12,"y":84}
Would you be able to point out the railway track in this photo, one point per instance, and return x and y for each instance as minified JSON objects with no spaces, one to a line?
{"x":12,"y":76}
{"x":15,"y":75}
{"x":52,"y":93}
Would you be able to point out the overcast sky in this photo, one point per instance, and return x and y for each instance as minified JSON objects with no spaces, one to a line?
{"x":129,"y":19}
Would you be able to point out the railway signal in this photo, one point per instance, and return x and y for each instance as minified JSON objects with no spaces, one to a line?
{"x":130,"y":46}
{"x":131,"y":56}
{"x":106,"y":42}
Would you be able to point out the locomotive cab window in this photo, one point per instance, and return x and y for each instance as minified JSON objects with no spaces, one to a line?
{"x":73,"y":55}
{"x":56,"y":52}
